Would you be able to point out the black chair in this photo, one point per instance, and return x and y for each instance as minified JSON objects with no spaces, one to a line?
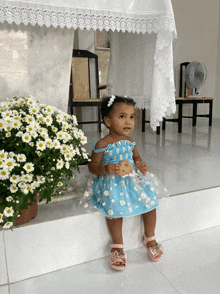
{"x":89,"y":102}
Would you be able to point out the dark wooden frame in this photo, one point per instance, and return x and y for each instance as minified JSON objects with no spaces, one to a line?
{"x":194,"y":101}
{"x":180,"y":101}
{"x":91,"y":102}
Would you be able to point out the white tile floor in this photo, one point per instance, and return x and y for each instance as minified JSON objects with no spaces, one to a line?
{"x":191,"y":265}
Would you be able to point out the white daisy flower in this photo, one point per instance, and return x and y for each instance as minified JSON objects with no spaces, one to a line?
{"x":29,"y":167}
{"x":9,"y":198}
{"x":68,"y":156}
{"x":8,"y":128}
{"x":16,"y":124}
{"x":56,"y":144}
{"x":54,"y":129}
{"x":4,"y":174}
{"x":49,"y":143}
{"x":152,"y":189}
{"x":67,"y":165}
{"x":1,"y":218}
{"x":85,"y":205}
{"x":122,"y":202}
{"x":48,"y":110}
{"x":59,"y":164}
{"x":60,"y":135}
{"x":19,"y":134}
{"x":27,"y":177}
{"x":106,"y":192}
{"x":21,"y":185}
{"x":13,"y":188}
{"x":60,"y":184}
{"x":2,"y":124}
{"x":152,"y":202}
{"x":14,"y":179}
{"x":40,"y":117}
{"x":30,"y":119}
{"x":86,"y":193}
{"x":84,"y":140}
{"x":30,"y":102}
{"x":8,"y":211}
{"x":48,"y":120}
{"x":41,"y":145}
{"x":110,"y":212}
{"x":59,"y":118}
{"x":8,"y":225}
{"x":41,"y":179}
{"x":26,"y":189}
{"x":10,"y":163}
{"x":26,"y":137}
{"x":8,"y":134}
{"x":33,"y":110}
{"x":64,"y":148}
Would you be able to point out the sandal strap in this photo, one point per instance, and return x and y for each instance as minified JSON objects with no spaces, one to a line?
{"x":145,"y":240}
{"x":116,"y":245}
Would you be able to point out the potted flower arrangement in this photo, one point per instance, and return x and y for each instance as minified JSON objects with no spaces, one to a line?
{"x":39,"y":146}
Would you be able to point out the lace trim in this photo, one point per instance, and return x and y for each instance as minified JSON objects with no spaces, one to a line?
{"x":48,"y":15}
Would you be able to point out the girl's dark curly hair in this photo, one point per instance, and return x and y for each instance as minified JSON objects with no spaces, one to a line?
{"x":106,"y":110}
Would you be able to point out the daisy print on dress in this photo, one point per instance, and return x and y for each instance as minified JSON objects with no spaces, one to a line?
{"x":112,"y":193}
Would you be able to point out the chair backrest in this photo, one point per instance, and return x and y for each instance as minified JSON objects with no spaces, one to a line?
{"x":84,"y":77}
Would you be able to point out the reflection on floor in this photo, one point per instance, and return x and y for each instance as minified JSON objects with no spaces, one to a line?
{"x":190,"y":265}
{"x":183,"y":162}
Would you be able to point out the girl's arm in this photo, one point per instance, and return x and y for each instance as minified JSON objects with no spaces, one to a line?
{"x":142,"y":166}
{"x":95,"y":165}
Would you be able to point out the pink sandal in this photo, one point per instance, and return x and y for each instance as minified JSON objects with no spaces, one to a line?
{"x":155,"y":252}
{"x":116,"y":256}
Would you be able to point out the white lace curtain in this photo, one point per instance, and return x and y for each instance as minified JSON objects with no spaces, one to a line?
{"x":150,"y":46}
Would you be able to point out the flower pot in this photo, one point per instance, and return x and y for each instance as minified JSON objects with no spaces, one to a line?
{"x":27,"y":214}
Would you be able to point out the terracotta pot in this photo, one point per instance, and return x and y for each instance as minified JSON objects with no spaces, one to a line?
{"x":27,"y":214}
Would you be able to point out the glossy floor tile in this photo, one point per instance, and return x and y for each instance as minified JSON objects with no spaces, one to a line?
{"x":4,"y":289}
{"x":190,"y":265}
{"x":184,"y":162}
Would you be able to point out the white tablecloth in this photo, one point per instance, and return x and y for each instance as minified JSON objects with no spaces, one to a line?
{"x":141,"y":63}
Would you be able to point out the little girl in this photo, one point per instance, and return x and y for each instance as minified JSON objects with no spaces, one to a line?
{"x":120,"y":185}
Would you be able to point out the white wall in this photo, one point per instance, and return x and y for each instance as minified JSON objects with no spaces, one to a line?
{"x":36,"y":60}
{"x":197,"y":24}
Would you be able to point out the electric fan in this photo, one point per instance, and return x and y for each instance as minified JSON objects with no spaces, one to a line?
{"x":195,"y":75}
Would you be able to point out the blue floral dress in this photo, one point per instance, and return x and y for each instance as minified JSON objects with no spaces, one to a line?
{"x":116,"y":196}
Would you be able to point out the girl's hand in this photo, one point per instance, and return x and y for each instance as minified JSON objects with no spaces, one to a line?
{"x":142,"y":166}
{"x":112,"y":168}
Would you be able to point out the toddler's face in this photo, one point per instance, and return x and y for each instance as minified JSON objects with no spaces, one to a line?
{"x":121,"y":119}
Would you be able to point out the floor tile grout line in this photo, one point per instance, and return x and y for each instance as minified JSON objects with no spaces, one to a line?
{"x":6,"y":263}
{"x":209,"y":188}
{"x":165,"y":277}
{"x":165,"y":240}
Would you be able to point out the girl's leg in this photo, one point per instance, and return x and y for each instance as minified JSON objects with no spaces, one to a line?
{"x":149,"y":219}
{"x":115,"y":228}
